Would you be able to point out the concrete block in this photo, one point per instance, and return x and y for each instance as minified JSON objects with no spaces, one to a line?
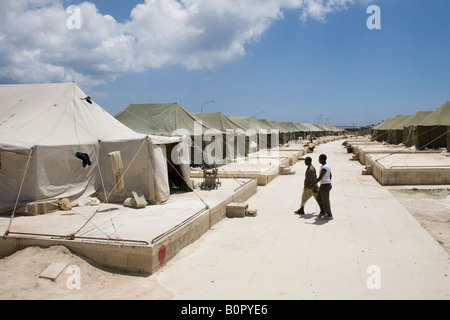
{"x":43,"y":207}
{"x":53,"y":271}
{"x":237,"y":210}
{"x":139,"y":200}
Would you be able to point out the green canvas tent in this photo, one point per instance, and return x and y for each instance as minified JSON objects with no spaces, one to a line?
{"x":233,"y":135}
{"x":168,"y":119}
{"x":263,"y":133}
{"x":313,"y":129}
{"x":282,"y":131}
{"x":395,"y":129}
{"x":379,"y":132}
{"x":218,"y":120}
{"x":165,"y":119}
{"x":433,"y":130}
{"x":410,"y":127}
{"x":293,"y":129}
{"x":335,"y":130}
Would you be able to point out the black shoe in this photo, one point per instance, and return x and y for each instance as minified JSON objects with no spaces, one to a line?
{"x":300,"y":211}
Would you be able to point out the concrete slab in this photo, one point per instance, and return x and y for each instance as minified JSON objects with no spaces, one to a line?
{"x":398,"y":165}
{"x":53,"y":271}
{"x":128,"y":238}
{"x":410,"y":168}
{"x":264,"y":170}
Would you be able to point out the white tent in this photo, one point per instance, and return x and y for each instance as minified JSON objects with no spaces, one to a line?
{"x":44,"y":127}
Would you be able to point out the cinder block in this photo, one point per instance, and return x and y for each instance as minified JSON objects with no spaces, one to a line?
{"x":237,"y":210}
{"x":140,"y":201}
{"x":37,"y":208}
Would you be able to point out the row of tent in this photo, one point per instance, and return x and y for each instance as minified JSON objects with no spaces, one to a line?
{"x":217,"y":138}
{"x":423,"y":130}
{"x":56,"y":142}
{"x":167,"y":118}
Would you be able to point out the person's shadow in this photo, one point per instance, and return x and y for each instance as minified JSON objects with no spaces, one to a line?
{"x":308,"y":216}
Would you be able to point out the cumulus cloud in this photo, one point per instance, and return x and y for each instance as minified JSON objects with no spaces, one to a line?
{"x":38,"y":45}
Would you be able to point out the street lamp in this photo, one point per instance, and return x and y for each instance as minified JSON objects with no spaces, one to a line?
{"x":258,"y":113}
{"x":206,"y":103}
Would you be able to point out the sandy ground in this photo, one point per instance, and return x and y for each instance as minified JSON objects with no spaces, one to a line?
{"x":20,"y":272}
{"x":430,"y":207}
{"x":20,"y":279}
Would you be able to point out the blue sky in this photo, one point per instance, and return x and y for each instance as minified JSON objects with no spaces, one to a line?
{"x":291,"y":60}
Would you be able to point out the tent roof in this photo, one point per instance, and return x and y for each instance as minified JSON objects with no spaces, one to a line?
{"x":335,"y":128}
{"x":54,"y":115}
{"x":279,"y":126}
{"x":302,"y":127}
{"x":250,"y":122}
{"x":383,"y":125}
{"x":397,"y":122}
{"x":290,"y":126}
{"x":159,"y":118}
{"x":312,"y":127}
{"x":274,"y":125}
{"x":321,"y":127}
{"x":218,"y":120}
{"x":440,"y":116}
{"x":412,"y":120}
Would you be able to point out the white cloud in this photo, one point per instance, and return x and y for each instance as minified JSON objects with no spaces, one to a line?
{"x":37,"y":46}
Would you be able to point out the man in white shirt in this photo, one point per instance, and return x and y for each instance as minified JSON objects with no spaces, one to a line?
{"x":323,"y":197}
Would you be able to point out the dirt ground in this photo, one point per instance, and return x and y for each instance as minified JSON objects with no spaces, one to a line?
{"x":19,"y":273}
{"x":431,"y":208}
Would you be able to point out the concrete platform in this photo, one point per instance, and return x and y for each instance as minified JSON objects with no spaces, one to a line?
{"x":262,"y":170}
{"x":284,"y":156}
{"x":398,"y":165}
{"x":128,"y":238}
{"x":362,"y":150}
{"x":409,"y":168}
{"x":264,"y":166}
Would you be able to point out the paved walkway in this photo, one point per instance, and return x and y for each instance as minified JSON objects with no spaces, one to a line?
{"x":373,"y":249}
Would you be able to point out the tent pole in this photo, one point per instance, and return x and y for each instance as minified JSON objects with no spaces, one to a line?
{"x":20,"y":191}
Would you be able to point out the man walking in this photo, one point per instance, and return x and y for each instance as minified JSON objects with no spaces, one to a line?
{"x":323,"y":197}
{"x":308,"y":190}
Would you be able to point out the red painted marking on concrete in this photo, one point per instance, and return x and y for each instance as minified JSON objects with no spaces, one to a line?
{"x":162,"y":254}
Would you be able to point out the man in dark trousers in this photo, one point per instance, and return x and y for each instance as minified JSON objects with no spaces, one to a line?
{"x":308,"y":191}
{"x":323,"y":197}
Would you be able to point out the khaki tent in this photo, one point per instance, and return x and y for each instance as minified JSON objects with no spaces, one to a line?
{"x":313,"y":129}
{"x":55,"y":142}
{"x":409,"y":127}
{"x":293,"y":129}
{"x":380,"y":131}
{"x":335,"y":130}
{"x":395,"y":129}
{"x":168,"y":119}
{"x":433,"y":130}
{"x":305,"y":131}
{"x":261,"y":134}
{"x":284,"y":134}
{"x":233,"y":135}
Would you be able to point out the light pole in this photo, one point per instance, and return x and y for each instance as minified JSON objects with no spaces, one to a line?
{"x":206,"y":103}
{"x":258,"y":113}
